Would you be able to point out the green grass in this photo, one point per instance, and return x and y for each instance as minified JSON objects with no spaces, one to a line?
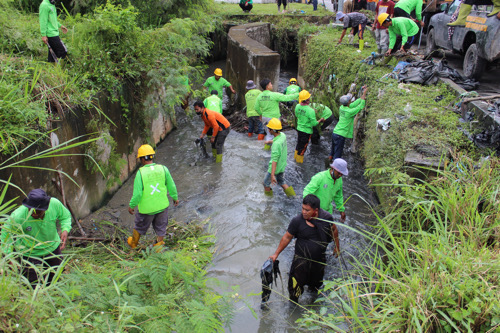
{"x":229,"y":9}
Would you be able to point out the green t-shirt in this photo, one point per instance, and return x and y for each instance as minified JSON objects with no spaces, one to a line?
{"x":37,"y":238}
{"x":279,"y":151}
{"x":346,"y":118}
{"x":242,"y":2}
{"x":411,"y":5}
{"x":139,"y":189}
{"x":214,"y":103}
{"x":49,"y":26}
{"x":401,"y":26}
{"x":292,"y":89}
{"x":212,"y":84}
{"x":268,"y":103}
{"x":322,"y":111}
{"x":306,"y":118}
{"x":250,"y":99}
{"x":327,"y":190}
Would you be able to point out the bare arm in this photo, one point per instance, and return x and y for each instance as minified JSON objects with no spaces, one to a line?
{"x":285,"y":240}
{"x":273,"y":173}
{"x":335,"y":235}
{"x":342,"y":36}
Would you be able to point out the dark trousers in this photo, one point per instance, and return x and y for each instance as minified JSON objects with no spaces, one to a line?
{"x":255,"y":125}
{"x":337,"y":146}
{"x":398,"y":12}
{"x":305,"y":272}
{"x":219,"y":140}
{"x":58,"y":48}
{"x":315,"y":4}
{"x":246,"y":8}
{"x":315,"y":135}
{"x":282,"y":2}
{"x":51,"y":260}
{"x":302,"y":142}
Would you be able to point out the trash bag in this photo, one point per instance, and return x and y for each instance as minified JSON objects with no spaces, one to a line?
{"x":269,"y":273}
{"x":427,"y":72}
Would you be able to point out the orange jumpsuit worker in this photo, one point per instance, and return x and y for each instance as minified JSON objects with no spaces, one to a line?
{"x":219,"y":125}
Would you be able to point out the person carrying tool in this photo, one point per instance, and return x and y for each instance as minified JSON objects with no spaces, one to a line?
{"x":246,"y":5}
{"x":327,"y":186}
{"x":306,"y":121}
{"x":217,"y":82}
{"x":152,"y":183}
{"x":345,"y":126}
{"x":403,"y":8}
{"x":267,"y":106}
{"x":254,"y":123}
{"x":398,"y":26}
{"x":313,"y":236}
{"x":277,"y":163}
{"x":32,"y":231}
{"x":381,"y":33}
{"x":49,"y":29}
{"x":322,"y":111}
{"x":213,"y":102}
{"x":357,"y":22}
{"x":220,"y":128}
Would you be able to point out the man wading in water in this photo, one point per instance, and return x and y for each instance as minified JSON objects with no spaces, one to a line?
{"x":313,"y":237}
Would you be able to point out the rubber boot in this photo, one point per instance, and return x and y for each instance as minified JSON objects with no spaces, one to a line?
{"x":268,"y":193}
{"x":261,"y":137}
{"x":299,"y":158}
{"x":295,"y":155}
{"x":387,"y":60}
{"x":361,"y":44}
{"x":134,"y":240}
{"x":267,"y":147}
{"x":462,"y":15}
{"x":290,"y":192}
{"x":250,"y":135}
{"x":218,"y":158}
{"x":159,"y":246}
{"x":214,"y":152}
{"x":496,"y":9}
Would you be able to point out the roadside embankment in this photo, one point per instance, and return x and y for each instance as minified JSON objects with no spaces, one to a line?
{"x":439,"y":236}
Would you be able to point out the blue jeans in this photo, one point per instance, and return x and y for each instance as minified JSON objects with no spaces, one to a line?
{"x":337,"y":146}
{"x":315,"y":4}
{"x":254,"y":123}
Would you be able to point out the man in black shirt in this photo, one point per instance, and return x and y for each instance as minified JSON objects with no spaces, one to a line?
{"x":313,"y":236}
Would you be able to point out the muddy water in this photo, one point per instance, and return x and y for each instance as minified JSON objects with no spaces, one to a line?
{"x":248,"y":224}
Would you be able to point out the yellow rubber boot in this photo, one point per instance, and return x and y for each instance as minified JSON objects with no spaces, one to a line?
{"x":496,"y":8}
{"x":267,"y":147}
{"x":290,"y":192}
{"x":134,"y":240}
{"x":462,"y":15}
{"x":218,"y":158}
{"x":159,"y":246}
{"x":268,"y":193}
{"x":295,"y":155}
{"x":299,"y":158}
{"x":361,"y":44}
{"x":214,"y":152}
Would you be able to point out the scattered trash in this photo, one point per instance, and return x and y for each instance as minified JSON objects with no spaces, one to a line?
{"x":403,"y":86}
{"x":269,"y":273}
{"x":331,"y":77}
{"x":427,"y":72}
{"x":400,"y":66}
{"x":495,"y":106}
{"x":371,"y":59}
{"x":383,"y":124}
{"x":408,"y":108}
{"x":381,"y":93}
{"x":438,"y":98}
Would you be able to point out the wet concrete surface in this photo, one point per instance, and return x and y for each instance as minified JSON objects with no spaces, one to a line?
{"x":249,"y":225}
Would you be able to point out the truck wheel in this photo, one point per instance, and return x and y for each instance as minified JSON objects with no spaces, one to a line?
{"x":474,"y":65}
{"x":430,"y":44}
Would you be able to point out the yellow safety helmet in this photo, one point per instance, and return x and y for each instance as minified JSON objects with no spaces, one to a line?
{"x":145,"y":150}
{"x":218,"y":72}
{"x":382,"y":17}
{"x":304,"y":95}
{"x":274,"y":124}
{"x":292,"y":80}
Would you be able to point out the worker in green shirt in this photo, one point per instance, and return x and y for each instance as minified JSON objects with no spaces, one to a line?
{"x":267,"y":106}
{"x":32,"y":231}
{"x":398,"y":26}
{"x":327,"y":186}
{"x":152,"y":183}
{"x":246,"y":5}
{"x":277,"y":163}
{"x":345,"y":126}
{"x":403,"y":8}
{"x":306,"y":120}
{"x":213,"y":102}
{"x":292,"y":88}
{"x":322,"y":111}
{"x":254,"y":123}
{"x":217,"y":82}
{"x":49,"y":29}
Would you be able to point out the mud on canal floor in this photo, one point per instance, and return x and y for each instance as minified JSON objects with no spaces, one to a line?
{"x":248,"y":225}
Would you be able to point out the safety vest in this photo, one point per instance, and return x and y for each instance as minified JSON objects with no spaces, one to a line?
{"x":154,"y":194}
{"x":292,"y":89}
